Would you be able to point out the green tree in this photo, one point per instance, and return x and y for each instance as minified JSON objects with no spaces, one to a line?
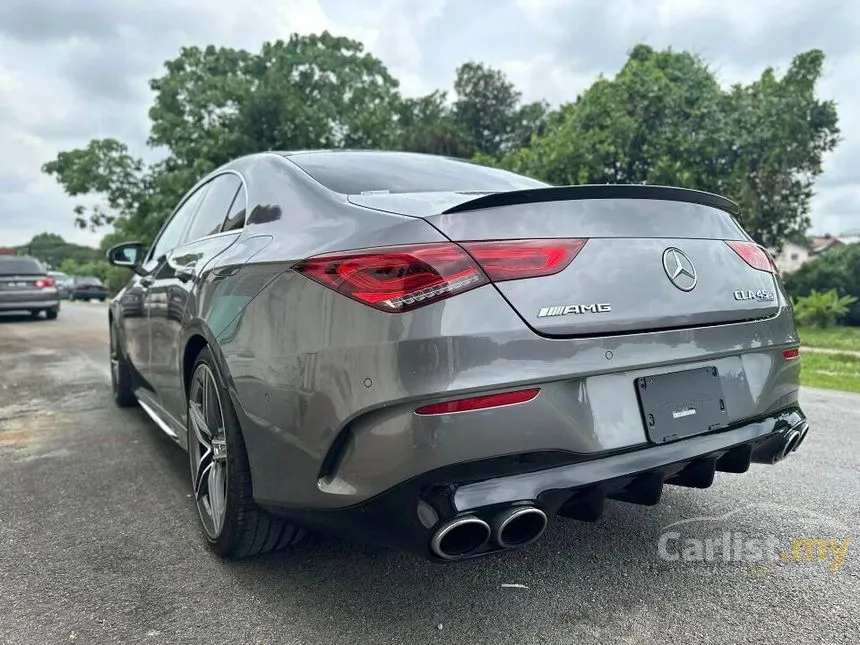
{"x":215,"y":104}
{"x":54,"y":250}
{"x":836,"y":269}
{"x":822,"y":308}
{"x":665,"y":119}
{"x":487,"y":109}
{"x":426,"y":124}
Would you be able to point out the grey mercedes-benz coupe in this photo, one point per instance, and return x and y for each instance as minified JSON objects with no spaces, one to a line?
{"x":442,"y":357}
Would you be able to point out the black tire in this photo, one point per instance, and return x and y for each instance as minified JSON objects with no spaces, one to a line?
{"x":51,"y":314}
{"x":35,"y":313}
{"x":101,"y":299}
{"x":120,"y":374}
{"x":247,"y":529}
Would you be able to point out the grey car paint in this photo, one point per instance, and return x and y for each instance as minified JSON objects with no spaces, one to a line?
{"x":325,"y":387}
{"x":18,"y":285}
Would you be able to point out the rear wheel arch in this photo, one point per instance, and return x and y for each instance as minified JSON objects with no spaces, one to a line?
{"x":193,"y":346}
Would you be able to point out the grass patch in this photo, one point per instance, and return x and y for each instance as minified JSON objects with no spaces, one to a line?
{"x":847,"y":338}
{"x":831,"y":371}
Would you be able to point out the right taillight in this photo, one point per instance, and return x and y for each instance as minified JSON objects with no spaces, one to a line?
{"x":754,"y":255}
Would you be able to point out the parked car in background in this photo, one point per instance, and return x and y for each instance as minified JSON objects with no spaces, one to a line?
{"x":63,"y":282}
{"x":88,"y":287}
{"x":26,"y":286}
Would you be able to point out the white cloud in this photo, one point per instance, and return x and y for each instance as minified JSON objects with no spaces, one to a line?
{"x":73,"y":70}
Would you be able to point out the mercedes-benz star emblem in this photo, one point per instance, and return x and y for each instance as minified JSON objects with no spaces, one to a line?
{"x":679,"y":269}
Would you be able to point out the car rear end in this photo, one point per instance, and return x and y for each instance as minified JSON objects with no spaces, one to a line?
{"x":88,"y":288}
{"x":26,"y":286}
{"x":553,"y":349}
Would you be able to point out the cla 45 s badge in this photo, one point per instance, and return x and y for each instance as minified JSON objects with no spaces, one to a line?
{"x":762,"y":295}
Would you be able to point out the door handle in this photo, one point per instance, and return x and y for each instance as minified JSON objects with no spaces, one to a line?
{"x":146,"y":281}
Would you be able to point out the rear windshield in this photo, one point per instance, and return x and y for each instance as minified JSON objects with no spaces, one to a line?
{"x":353,"y":173}
{"x":20,"y":266}
{"x":87,"y":280}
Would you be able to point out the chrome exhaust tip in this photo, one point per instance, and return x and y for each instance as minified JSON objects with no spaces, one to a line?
{"x":460,"y":537}
{"x":789,"y":444}
{"x":803,"y":432}
{"x":519,"y":526}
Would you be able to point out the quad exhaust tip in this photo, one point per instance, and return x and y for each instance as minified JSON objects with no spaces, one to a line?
{"x":460,"y":537}
{"x":803,"y":432}
{"x":792,"y":439}
{"x":519,"y":526}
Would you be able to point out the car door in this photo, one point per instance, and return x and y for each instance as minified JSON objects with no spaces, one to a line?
{"x":175,"y":286}
{"x":138,"y":300}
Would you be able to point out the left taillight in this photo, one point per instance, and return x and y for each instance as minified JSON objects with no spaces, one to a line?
{"x":402,"y":278}
{"x":44,"y":283}
{"x":519,"y":259}
{"x":396,"y":278}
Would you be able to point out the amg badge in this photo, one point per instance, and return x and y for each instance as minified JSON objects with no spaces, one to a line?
{"x":564,"y":310}
{"x":762,"y":295}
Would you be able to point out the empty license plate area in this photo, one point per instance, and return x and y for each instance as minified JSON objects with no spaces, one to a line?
{"x":681,"y":404}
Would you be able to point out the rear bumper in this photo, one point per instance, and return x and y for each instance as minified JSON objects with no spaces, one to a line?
{"x":48,"y":301}
{"x":408,"y":515}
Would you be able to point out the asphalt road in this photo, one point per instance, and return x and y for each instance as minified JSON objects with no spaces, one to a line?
{"x":99,"y":541}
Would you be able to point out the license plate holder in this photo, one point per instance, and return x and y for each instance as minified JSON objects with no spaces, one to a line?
{"x":682,"y":404}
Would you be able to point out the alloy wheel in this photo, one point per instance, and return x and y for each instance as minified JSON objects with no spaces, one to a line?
{"x":207,"y":448}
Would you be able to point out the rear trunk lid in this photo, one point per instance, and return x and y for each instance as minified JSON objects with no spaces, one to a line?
{"x":18,"y":277}
{"x":655,"y":258}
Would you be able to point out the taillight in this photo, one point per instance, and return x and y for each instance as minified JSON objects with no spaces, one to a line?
{"x":479,"y":402}
{"x":518,"y":259}
{"x":44,"y":283}
{"x":754,"y":255}
{"x":396,"y":278}
{"x":791,"y":354}
{"x":401,"y":278}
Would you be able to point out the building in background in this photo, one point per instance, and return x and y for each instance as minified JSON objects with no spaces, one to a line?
{"x":796,"y":254}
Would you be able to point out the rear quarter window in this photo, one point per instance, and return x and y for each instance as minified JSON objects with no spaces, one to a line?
{"x":20,"y":266}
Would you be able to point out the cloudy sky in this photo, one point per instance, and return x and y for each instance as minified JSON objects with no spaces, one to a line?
{"x":72,"y":70}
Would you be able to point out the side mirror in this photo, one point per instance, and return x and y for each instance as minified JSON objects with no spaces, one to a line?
{"x":129,"y":255}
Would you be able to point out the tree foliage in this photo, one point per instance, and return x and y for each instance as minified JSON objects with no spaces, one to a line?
{"x":822,"y":308}
{"x":53,"y":250}
{"x":836,"y":269}
{"x":663,"y":119}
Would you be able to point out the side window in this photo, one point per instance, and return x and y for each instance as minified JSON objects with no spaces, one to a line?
{"x":213,"y":209}
{"x":171,"y":235}
{"x":236,"y":217}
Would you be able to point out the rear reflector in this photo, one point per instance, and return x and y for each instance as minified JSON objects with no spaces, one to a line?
{"x":791,"y":354}
{"x":754,"y":255}
{"x":518,"y":259}
{"x":479,"y":402}
{"x":396,"y":278}
{"x":44,"y":283}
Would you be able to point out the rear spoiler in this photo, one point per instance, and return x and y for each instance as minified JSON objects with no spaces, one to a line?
{"x":597,"y":191}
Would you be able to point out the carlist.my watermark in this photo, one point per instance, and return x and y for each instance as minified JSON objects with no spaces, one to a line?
{"x":713,"y":540}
